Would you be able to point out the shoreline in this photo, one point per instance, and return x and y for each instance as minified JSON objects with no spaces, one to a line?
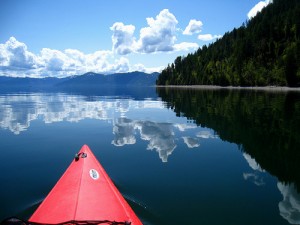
{"x":215,"y":87}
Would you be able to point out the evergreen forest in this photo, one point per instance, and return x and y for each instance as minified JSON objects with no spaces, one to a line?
{"x":264,"y":51}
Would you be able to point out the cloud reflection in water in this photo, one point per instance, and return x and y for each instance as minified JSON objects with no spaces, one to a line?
{"x":289,"y":207}
{"x":18,"y":111}
{"x":255,"y":176}
{"x":159,"y":135}
{"x":205,"y":134}
{"x":191,"y":142}
{"x":123,"y":130}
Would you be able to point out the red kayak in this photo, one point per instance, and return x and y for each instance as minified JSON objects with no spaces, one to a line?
{"x":85,"y":193}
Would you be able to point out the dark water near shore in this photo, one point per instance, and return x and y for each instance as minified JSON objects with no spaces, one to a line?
{"x":177,"y":156}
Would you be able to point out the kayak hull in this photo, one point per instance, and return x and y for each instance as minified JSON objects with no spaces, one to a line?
{"x":84,"y":192}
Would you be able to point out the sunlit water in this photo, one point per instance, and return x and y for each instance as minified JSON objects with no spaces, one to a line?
{"x":173,"y":163}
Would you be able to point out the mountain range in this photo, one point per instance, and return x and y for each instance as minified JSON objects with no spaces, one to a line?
{"x":87,"y":80}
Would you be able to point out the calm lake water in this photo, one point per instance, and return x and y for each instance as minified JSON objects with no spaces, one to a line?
{"x":178,"y":156}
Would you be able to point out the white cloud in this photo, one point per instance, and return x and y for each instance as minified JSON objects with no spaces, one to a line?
{"x":140,"y":67}
{"x":54,"y":60}
{"x":120,"y":66}
{"x":122,"y":38}
{"x":257,"y":8}
{"x":185,"y":46}
{"x":98,"y":61}
{"x":17,"y":60}
{"x":208,"y":37}
{"x":194,"y":27}
{"x":160,"y":35}
{"x":14,"y":54}
{"x":77,"y":58}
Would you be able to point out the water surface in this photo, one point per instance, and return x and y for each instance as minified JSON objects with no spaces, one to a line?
{"x":178,"y":156}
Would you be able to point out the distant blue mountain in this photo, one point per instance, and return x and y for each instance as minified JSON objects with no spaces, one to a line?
{"x":118,"y":79}
{"x":10,"y":82}
{"x":87,"y":80}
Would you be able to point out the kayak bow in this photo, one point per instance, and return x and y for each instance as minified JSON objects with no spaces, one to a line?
{"x":85,"y":193}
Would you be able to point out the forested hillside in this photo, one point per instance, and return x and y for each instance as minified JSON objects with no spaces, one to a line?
{"x":263,"y":51}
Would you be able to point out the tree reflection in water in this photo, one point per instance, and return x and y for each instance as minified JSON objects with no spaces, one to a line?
{"x":266,"y":126}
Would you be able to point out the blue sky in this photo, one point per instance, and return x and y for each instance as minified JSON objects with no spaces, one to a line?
{"x":41,"y":38}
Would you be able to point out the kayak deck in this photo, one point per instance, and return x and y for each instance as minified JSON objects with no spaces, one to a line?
{"x":84,"y":193}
